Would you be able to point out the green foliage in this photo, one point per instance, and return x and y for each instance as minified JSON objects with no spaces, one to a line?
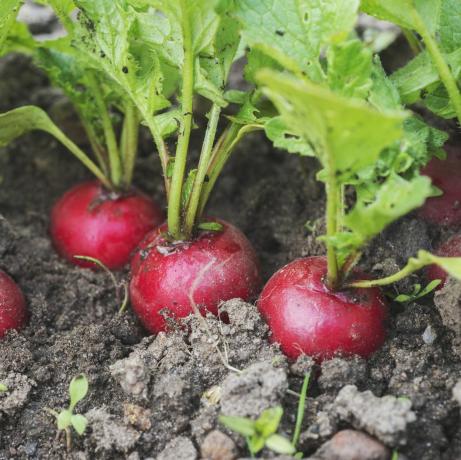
{"x":66,"y":419}
{"x":432,"y":76}
{"x":3,"y":388}
{"x":417,"y":292}
{"x":261,"y":432}
{"x":8,"y":12}
{"x":351,"y":136}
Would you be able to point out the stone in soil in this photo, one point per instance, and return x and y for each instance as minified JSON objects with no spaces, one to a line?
{"x":218,"y":446}
{"x":386,"y":418}
{"x":180,"y":448}
{"x":352,"y":445}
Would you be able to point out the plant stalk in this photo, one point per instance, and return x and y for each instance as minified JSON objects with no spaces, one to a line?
{"x":442,"y":67}
{"x":204,"y":163}
{"x":115,"y":165}
{"x":82,"y":156}
{"x":129,"y":143}
{"x":177,"y":181}
{"x":331,"y":220}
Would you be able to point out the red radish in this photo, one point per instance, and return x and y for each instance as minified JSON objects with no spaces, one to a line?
{"x":13,"y":312}
{"x":213,"y":267}
{"x":91,"y":221}
{"x":450,"y":248}
{"x":305,"y":317}
{"x":445,"y":174}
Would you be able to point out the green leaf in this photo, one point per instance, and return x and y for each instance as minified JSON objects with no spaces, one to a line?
{"x":384,"y":94}
{"x":395,"y":198}
{"x":280,"y":445}
{"x":283,"y":138}
{"x":3,"y":388}
{"x":256,"y":444}
{"x":349,"y":69}
{"x":297,"y":30}
{"x":353,"y":134}
{"x":79,"y":422}
{"x":241,"y":425}
{"x":448,"y":27}
{"x":269,"y":421}
{"x":397,"y":11}
{"x":78,"y":389}
{"x":8,"y":12}
{"x":417,"y":292}
{"x":64,"y":419}
{"x":420,"y":74}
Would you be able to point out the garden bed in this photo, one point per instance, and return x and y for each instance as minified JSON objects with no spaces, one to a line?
{"x":145,"y":392}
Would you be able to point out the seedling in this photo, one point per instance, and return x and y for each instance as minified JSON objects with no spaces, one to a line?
{"x":3,"y":388}
{"x":66,"y":419}
{"x":262,"y":432}
{"x":337,"y":104}
{"x":418,"y":292}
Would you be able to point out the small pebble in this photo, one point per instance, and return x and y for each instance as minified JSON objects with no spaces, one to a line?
{"x":352,"y":445}
{"x":429,"y":335}
{"x":218,"y":446}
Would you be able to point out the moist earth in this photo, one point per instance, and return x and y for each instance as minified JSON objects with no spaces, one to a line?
{"x":160,"y":397}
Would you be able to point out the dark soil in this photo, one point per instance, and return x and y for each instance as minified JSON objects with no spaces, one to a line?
{"x":148,"y":393}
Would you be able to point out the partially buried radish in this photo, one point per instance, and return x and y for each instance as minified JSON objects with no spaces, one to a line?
{"x":92,"y":221}
{"x":445,"y":174}
{"x":174,"y":277}
{"x":13,"y":312}
{"x":324,"y":306}
{"x":305,"y":316}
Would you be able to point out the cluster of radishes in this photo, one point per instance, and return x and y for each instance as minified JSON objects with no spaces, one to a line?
{"x":307,"y":104}
{"x":173,"y":278}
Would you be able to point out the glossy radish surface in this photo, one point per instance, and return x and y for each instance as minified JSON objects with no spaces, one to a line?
{"x":450,"y":248}
{"x":90,"y":221}
{"x":305,"y":317}
{"x":214,"y":267}
{"x":445,"y":174}
{"x":13,"y":312}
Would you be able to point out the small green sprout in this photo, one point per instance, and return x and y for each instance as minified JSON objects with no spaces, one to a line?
{"x":66,"y":419}
{"x":261,"y":433}
{"x":3,"y":388}
{"x":418,"y":292}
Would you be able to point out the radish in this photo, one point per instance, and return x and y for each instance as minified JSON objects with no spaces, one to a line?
{"x":445,"y":174}
{"x":450,"y":248}
{"x":324,"y":306}
{"x":92,"y":221}
{"x":305,"y":316}
{"x":175,"y":277}
{"x":13,"y":312}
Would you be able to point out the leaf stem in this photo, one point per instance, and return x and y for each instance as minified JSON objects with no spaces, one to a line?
{"x":204,"y":163}
{"x":442,"y":67}
{"x":129,"y":142}
{"x":331,"y":220}
{"x":161,"y":148}
{"x":82,"y":156}
{"x":177,"y":180}
{"x":414,"y":264}
{"x":109,"y":134}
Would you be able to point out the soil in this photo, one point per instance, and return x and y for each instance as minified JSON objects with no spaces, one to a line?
{"x":160,"y":397}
